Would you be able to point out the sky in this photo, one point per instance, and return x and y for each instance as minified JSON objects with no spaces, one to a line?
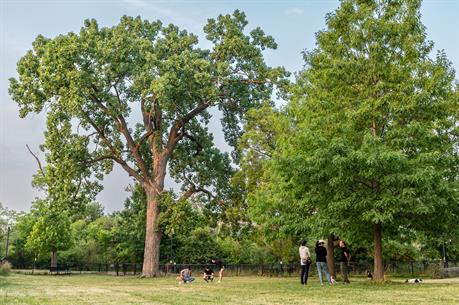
{"x":291,"y":23}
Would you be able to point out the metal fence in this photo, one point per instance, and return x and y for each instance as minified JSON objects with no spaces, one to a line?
{"x":408,"y":268}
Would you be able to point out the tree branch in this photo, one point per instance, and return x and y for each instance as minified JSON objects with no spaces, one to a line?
{"x":174,"y":134}
{"x":121,"y":124}
{"x":115,"y":155}
{"x":197,"y":189}
{"x":192,"y":138}
{"x":38,"y":160}
{"x":192,"y":190}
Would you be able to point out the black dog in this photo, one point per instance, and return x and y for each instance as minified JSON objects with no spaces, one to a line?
{"x":369,"y":275}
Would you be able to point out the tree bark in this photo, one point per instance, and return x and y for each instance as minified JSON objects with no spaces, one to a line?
{"x":330,"y":255}
{"x":53,"y":258}
{"x":378,"y":261}
{"x":153,"y":191}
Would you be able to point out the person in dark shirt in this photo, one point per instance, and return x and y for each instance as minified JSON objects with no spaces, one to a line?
{"x":220,"y":266}
{"x":208,"y":274}
{"x":345,"y":258}
{"x":321,"y":261}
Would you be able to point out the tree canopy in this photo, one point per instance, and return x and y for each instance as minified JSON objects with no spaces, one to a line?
{"x":138,"y":94}
{"x":371,"y":138}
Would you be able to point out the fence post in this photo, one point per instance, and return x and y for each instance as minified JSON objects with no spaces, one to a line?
{"x":412,"y":268}
{"x":135,"y":268}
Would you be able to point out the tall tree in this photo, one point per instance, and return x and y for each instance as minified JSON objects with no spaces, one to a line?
{"x":68,"y":188}
{"x":98,"y":76}
{"x":376,"y":122}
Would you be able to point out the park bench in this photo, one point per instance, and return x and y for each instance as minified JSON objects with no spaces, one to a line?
{"x":58,"y":270}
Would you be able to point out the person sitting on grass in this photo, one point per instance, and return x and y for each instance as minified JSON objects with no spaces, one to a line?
{"x":185,"y":275}
{"x":208,"y":274}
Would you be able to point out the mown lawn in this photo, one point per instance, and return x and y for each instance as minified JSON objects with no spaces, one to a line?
{"x":103,"y":289}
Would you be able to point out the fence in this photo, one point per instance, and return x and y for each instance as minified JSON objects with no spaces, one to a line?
{"x":409,"y":268}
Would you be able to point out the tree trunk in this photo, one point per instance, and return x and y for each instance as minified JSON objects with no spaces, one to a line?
{"x":53,"y":258}
{"x":330,"y":255}
{"x":378,"y":261}
{"x":152,"y":233}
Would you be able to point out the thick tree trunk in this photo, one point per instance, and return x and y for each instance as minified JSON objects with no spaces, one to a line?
{"x":378,"y":261}
{"x":53,"y":258}
{"x":152,"y":234}
{"x":331,"y":255}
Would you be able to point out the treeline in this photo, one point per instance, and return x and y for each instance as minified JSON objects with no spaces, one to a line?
{"x":119,"y":238}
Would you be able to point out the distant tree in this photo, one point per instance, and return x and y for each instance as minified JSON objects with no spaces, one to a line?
{"x":69,"y":189}
{"x":50,"y":232}
{"x":95,"y":79}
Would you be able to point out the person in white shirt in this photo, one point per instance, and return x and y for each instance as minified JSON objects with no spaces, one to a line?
{"x":305,"y":260}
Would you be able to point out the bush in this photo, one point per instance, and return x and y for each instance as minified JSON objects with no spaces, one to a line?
{"x":5,"y":268}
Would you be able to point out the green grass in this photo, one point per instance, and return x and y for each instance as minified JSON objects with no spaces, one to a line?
{"x":103,"y":289}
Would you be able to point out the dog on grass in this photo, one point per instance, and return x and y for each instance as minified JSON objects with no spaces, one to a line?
{"x":332,"y":280}
{"x":413,"y":281}
{"x":369,"y":275}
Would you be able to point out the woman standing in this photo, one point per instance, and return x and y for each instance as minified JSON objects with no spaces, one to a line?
{"x":305,"y":260}
{"x":321,"y":261}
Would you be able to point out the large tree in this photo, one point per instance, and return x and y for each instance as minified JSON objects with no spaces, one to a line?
{"x":377,"y":121}
{"x":371,"y":144}
{"x":140,"y":93}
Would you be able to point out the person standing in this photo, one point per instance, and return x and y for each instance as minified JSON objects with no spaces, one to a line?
{"x":321,"y":261}
{"x":220,"y":266}
{"x":305,"y":260}
{"x":344,"y":262}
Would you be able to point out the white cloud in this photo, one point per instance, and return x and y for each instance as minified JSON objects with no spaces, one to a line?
{"x":294,"y":11}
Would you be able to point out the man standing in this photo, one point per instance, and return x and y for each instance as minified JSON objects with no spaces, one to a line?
{"x":305,"y":260}
{"x":345,"y":258}
{"x":220,"y":266}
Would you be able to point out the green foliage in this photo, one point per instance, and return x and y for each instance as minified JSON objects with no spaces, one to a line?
{"x":198,"y":246}
{"x":371,"y":134}
{"x":50,"y":231}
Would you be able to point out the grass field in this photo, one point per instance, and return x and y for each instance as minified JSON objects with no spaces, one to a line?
{"x":103,"y":289}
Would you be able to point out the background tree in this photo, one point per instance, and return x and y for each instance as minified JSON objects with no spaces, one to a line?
{"x":50,"y":232}
{"x":98,"y":76}
{"x":68,"y":187}
{"x":372,"y":139}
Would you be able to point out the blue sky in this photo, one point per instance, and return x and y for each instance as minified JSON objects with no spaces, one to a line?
{"x":291,"y":23}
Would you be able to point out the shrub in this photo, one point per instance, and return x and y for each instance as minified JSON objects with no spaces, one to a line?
{"x":5,"y":268}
